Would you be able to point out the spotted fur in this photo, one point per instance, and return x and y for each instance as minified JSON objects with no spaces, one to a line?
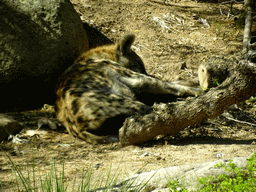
{"x":106,"y":85}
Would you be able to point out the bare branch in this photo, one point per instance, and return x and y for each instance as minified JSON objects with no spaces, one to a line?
{"x":170,"y":119}
{"x":248,"y":26}
{"x":173,"y":4}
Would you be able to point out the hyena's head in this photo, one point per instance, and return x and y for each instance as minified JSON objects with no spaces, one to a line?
{"x":120,"y":53}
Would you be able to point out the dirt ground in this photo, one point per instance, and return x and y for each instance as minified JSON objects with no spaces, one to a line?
{"x":168,"y":34}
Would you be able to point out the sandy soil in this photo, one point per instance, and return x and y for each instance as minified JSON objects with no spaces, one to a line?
{"x":167,"y":35}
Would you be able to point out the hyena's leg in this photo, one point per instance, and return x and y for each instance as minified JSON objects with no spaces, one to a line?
{"x":96,"y":114}
{"x":141,"y":83}
{"x":79,"y":130}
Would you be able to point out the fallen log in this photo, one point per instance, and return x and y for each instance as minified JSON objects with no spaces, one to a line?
{"x":171,"y":118}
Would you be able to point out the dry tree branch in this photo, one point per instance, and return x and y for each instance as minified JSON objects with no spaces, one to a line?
{"x":170,"y":119}
{"x":248,"y":26}
{"x":173,"y":4}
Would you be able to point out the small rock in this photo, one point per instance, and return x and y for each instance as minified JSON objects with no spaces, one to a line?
{"x":17,"y":140}
{"x":145,"y":154}
{"x":98,"y":165}
{"x":8,"y":126}
{"x":219,"y":155}
{"x":50,"y":122}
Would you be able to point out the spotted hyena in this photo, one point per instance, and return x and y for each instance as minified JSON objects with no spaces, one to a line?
{"x":106,"y":85}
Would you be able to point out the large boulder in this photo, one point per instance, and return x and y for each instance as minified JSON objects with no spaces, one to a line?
{"x":38,"y":41}
{"x":95,"y":37}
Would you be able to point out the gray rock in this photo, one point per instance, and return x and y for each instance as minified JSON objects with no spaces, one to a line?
{"x":96,"y":38}
{"x":187,"y":174}
{"x":38,"y":41}
{"x":8,"y":126}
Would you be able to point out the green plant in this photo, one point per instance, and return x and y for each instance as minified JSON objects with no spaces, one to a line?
{"x":216,"y":82}
{"x":175,"y":186}
{"x":251,"y":101}
{"x":54,"y":181}
{"x":242,"y":180}
{"x":239,"y":22}
{"x":217,"y":25}
{"x":51,"y":182}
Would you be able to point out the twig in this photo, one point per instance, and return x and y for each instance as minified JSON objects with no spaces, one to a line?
{"x":253,"y":44}
{"x":248,"y":26}
{"x":232,"y":119}
{"x":228,"y":2}
{"x":173,"y":4}
{"x":144,"y":47}
{"x":221,"y":11}
{"x":228,"y":15}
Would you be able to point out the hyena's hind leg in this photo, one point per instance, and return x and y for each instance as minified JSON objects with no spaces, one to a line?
{"x":100,"y":117}
{"x":92,"y":138}
{"x":75,"y":128}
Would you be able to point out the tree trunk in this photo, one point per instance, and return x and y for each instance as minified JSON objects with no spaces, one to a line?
{"x":248,"y":26}
{"x":170,"y":119}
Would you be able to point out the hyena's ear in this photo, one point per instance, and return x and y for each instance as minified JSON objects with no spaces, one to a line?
{"x":125,"y":44}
